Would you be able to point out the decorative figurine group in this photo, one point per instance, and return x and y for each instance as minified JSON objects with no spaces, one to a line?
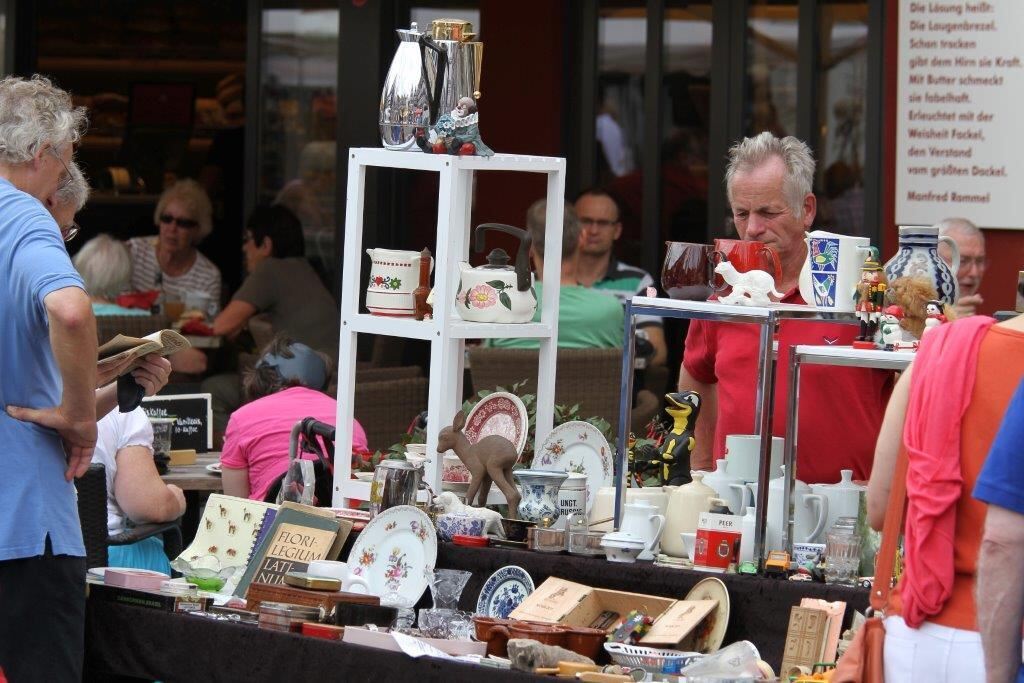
{"x":456,"y":133}
{"x":671,"y":462}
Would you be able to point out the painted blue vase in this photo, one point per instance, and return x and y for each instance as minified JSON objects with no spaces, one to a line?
{"x":918,"y":256}
{"x":540,"y":493}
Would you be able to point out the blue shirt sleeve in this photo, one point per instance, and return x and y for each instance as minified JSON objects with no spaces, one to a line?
{"x":1002,"y":478}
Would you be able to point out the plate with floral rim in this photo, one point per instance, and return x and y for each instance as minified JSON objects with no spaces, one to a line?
{"x":578,"y":446}
{"x":500,"y":413}
{"x":503,"y":591}
{"x":396,"y":552}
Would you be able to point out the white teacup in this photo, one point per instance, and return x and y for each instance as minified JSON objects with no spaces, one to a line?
{"x":743,"y":452}
{"x":333,"y":569}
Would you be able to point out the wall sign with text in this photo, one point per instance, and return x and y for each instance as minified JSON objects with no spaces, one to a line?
{"x":960,"y":92}
{"x":194,"y":425}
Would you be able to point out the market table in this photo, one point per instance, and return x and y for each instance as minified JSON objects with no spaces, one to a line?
{"x":759,"y":606}
{"x":121,"y":640}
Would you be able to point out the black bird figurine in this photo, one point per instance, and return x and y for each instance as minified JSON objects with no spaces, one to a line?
{"x":684,"y":408}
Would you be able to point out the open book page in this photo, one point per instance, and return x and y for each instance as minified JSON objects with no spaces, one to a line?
{"x":164,"y":342}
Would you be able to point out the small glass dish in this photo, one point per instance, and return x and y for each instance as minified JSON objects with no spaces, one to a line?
{"x":546,"y":540}
{"x":586,"y":543}
{"x":205,"y":572}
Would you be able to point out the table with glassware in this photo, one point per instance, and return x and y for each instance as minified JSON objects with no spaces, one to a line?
{"x":204,"y":475}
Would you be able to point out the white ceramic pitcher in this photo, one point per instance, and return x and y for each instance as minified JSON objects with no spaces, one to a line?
{"x":843,"y":498}
{"x":832,"y":269}
{"x":643,"y":521}
{"x":729,"y":487}
{"x":810,"y":512}
{"x":685,"y":503}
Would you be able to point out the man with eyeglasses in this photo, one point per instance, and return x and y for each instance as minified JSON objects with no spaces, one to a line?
{"x":973,"y":261}
{"x":596,"y":267}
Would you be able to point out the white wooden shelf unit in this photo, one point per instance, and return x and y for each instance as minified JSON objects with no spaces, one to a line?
{"x":447,"y":332}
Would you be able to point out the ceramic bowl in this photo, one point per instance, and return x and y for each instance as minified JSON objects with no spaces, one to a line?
{"x":494,"y":632}
{"x":453,"y":471}
{"x":516,"y":529}
{"x":453,"y":524}
{"x":619,"y":547}
{"x":585,"y":641}
{"x":543,"y":633}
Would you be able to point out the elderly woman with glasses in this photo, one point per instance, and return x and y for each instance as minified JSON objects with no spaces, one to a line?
{"x":170,"y":261}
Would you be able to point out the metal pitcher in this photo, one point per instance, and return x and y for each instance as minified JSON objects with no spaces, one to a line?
{"x":460,"y":74}
{"x":406,"y":102}
{"x":395,"y":482}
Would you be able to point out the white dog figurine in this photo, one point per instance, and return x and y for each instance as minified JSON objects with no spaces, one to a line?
{"x":749,"y":289}
{"x":450,"y":503}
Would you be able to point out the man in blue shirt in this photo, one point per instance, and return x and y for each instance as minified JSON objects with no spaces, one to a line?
{"x":1000,"y":590}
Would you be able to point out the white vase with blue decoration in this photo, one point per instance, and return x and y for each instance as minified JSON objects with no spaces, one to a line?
{"x":918,"y":256}
{"x":540,"y":493}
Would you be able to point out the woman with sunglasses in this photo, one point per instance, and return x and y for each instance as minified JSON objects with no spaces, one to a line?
{"x":170,"y":261}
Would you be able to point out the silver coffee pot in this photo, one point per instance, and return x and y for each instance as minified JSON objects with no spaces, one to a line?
{"x":430,"y":72}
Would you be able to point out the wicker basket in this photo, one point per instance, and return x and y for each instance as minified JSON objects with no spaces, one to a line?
{"x":653,"y":660}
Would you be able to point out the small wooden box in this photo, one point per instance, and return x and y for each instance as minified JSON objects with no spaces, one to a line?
{"x":265,"y":592}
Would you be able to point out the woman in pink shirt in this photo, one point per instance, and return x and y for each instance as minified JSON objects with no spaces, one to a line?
{"x":285,"y":387}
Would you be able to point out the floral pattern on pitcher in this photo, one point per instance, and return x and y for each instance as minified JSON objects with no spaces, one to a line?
{"x":385,"y":282}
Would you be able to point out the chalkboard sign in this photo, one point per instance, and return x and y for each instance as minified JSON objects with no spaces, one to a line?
{"x":194,"y":427}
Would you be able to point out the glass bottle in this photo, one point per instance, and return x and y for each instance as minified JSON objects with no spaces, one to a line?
{"x":842,"y":552}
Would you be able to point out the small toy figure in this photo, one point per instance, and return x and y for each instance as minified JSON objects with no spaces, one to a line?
{"x":934,"y":315}
{"x":684,"y":408}
{"x":911,"y":294}
{"x":750,"y":289}
{"x":890,"y":333}
{"x":457,"y":133}
{"x":870,"y":299}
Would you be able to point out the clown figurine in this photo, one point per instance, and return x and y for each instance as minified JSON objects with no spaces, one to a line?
{"x":457,"y":132}
{"x":870,"y":299}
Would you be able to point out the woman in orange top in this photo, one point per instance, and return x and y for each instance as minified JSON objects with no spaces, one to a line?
{"x":931,"y":620}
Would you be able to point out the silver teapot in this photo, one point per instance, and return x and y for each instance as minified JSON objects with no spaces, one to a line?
{"x":430,"y":72}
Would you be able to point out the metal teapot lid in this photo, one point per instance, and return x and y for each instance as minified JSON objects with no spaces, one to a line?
{"x":498,"y":260}
{"x":451,"y":29}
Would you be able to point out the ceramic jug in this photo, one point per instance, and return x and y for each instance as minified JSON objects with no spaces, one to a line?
{"x":642,"y":520}
{"x":540,"y":494}
{"x":729,"y":487}
{"x":810,"y":511}
{"x":685,"y":504}
{"x":831,"y":272}
{"x":394,"y":274}
{"x":917,"y":256}
{"x":604,"y":503}
{"x":747,"y":525}
{"x":843,"y":498}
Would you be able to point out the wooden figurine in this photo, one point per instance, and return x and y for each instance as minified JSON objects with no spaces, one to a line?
{"x":422,"y":308}
{"x":489,"y":459}
{"x":684,"y":408}
{"x":870,"y":299}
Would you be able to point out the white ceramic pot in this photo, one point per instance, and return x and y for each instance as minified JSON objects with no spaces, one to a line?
{"x":622,"y":547}
{"x":843,"y":498}
{"x":743,"y":451}
{"x":729,"y":487}
{"x":810,"y":512}
{"x":604,"y":503}
{"x":643,"y":521}
{"x":394,"y":274}
{"x":685,"y":504}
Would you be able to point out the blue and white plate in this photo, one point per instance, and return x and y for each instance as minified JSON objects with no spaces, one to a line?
{"x":503,"y":591}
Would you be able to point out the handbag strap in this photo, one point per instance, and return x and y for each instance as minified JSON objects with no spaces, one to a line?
{"x":894,"y":516}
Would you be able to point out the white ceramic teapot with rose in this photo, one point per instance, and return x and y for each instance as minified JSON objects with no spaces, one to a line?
{"x":497,"y":292}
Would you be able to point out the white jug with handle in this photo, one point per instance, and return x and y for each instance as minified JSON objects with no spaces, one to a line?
{"x":810,"y":512}
{"x":394,"y":274}
{"x":843,"y":498}
{"x":832,"y":269}
{"x":729,"y":487}
{"x":685,"y":503}
{"x":643,"y":521}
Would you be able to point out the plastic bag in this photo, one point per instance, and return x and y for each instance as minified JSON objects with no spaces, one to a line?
{"x":299,"y":483}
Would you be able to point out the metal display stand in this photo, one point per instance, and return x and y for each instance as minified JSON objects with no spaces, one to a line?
{"x":767,"y":318}
{"x":446,"y":332}
{"x":845,"y":356}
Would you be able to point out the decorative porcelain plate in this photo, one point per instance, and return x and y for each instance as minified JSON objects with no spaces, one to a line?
{"x":396,"y":552}
{"x":499,"y":413}
{"x":503,"y":591}
{"x":710,"y":633}
{"x":578,"y":447}
{"x":213,"y":468}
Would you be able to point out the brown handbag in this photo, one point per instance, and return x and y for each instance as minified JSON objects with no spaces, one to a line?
{"x":863,"y":661}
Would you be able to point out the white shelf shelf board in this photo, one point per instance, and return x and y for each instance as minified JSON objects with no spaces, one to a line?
{"x":365,"y":323}
{"x":849,"y":356}
{"x":375,"y":156}
{"x":465,"y":330}
{"x":360,"y":490}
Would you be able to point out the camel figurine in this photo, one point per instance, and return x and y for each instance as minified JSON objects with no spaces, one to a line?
{"x":489,"y":459}
{"x":750,"y":289}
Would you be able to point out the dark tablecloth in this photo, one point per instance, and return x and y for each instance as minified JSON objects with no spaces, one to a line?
{"x":759,"y":606}
{"x":155,"y":645}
